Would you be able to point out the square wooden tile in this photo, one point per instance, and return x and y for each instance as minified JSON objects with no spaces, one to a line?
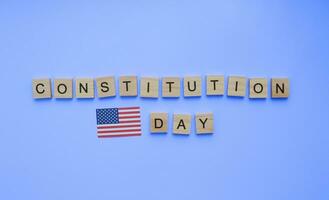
{"x":258,"y":88}
{"x":215,"y":85}
{"x":204,"y":123}
{"x":41,"y":88}
{"x":149,"y":87}
{"x":182,"y":124}
{"x":171,"y":87}
{"x":106,"y":86}
{"x":192,"y":86}
{"x":84,"y":88}
{"x":159,"y":122}
{"x":280,"y":87}
{"x":128,"y":85}
{"x":237,"y":86}
{"x":63,"y":88}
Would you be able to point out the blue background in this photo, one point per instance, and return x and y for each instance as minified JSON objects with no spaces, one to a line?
{"x":261,"y":149}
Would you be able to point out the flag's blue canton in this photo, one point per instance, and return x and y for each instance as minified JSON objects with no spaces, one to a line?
{"x":107,"y":116}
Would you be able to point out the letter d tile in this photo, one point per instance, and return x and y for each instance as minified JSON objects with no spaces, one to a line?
{"x":159,"y":122}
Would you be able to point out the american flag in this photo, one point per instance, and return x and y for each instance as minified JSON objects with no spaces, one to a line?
{"x":118,"y":122}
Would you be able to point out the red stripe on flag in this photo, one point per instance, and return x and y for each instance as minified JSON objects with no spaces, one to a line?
{"x":120,"y":131}
{"x":129,"y":117}
{"x":119,"y":126}
{"x":131,"y":121}
{"x":123,"y":135}
{"x":128,"y":108}
{"x":131,"y":112}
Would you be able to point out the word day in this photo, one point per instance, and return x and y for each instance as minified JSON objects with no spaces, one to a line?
{"x":149,"y":87}
{"x":182,"y":123}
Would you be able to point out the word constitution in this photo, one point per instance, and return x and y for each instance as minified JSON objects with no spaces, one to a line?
{"x":149,"y":87}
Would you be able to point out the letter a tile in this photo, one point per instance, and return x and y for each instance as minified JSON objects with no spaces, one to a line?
{"x":182,"y":124}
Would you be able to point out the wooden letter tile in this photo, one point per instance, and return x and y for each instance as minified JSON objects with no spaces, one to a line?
{"x":159,"y":122}
{"x":128,"y":86}
{"x":215,"y":85}
{"x":149,"y":87}
{"x":41,"y":88}
{"x":192,"y":86}
{"x":171,"y":87}
{"x":258,"y":88}
{"x":204,"y":123}
{"x":84,"y":88}
{"x":105,"y":86}
{"x":182,"y":124}
{"x":280,"y":87}
{"x":237,"y":86}
{"x":63,"y":88}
